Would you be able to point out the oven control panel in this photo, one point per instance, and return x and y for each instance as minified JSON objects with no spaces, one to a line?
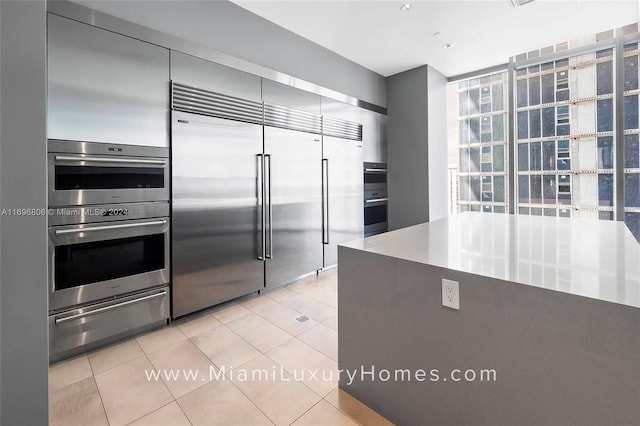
{"x":106,"y":213}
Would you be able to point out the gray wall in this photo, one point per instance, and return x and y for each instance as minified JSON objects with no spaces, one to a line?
{"x":417,"y":146}
{"x":407,"y":148}
{"x":438,"y":162}
{"x":228,"y":28}
{"x":23,"y":250}
{"x":560,"y":359}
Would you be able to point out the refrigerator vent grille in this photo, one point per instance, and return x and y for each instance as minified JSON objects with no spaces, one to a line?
{"x":204,"y":102}
{"x":341,"y":128}
{"x":289,"y":118}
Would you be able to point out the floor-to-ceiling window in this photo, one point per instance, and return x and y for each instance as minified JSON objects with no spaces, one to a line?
{"x":631,"y":145}
{"x":482,"y":144}
{"x":566,"y":135}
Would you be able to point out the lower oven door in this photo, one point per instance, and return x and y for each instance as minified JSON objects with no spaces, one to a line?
{"x":375,"y":216}
{"x":78,"y":330}
{"x":91,"y":262}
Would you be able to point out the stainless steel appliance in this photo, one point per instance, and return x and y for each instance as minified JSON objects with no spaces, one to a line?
{"x":86,"y":173}
{"x":342,"y":185}
{"x":108,"y":273}
{"x":294,"y":200}
{"x":217,"y":172}
{"x":247,"y":195}
{"x":217,"y":219}
{"x":109,"y":264}
{"x":89,"y":326}
{"x":99,"y":252}
{"x":375,"y":198}
{"x":218,"y":242}
{"x":293,"y":182}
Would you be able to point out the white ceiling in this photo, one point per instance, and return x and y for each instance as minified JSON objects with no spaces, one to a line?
{"x":379,"y":36}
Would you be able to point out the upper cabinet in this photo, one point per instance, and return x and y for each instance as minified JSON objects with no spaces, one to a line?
{"x":374,"y":136}
{"x":336,"y":109}
{"x":202,"y":74}
{"x":105,"y":87}
{"x":288,"y":96}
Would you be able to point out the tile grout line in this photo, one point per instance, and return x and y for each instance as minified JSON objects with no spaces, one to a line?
{"x":315,"y":326}
{"x":214,"y":364}
{"x":133,"y":338}
{"x":315,"y":300}
{"x":163,"y":383}
{"x":294,"y":310}
{"x":264,"y":319}
{"x":309,"y":409}
{"x":291,"y":373}
{"x":93,"y":376}
{"x":340,"y":409}
{"x":158,"y":409}
{"x":256,"y":405}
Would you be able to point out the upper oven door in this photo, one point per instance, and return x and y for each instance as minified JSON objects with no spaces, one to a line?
{"x":90,"y":262}
{"x":375,"y":176}
{"x":84,"y":179}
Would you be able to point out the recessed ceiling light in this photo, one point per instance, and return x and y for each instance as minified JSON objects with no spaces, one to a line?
{"x":436,"y":34}
{"x":447,"y":45}
{"x":405,"y":7}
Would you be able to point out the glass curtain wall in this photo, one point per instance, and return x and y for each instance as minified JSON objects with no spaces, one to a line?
{"x":565,"y":138}
{"x":564,"y":134}
{"x":482,"y":114}
{"x":631,"y":148}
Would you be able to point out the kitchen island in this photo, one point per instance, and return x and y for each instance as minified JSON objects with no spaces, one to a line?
{"x":548,"y":330}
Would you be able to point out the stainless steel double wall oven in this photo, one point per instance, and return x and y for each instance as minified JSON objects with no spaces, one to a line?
{"x":109,"y":257}
{"x":375,"y":198}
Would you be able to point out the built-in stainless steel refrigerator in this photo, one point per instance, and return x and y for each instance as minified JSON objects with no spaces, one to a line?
{"x":342,"y":183}
{"x":294,"y":204}
{"x":247,"y":195}
{"x":216,"y":221}
{"x":342,"y":194}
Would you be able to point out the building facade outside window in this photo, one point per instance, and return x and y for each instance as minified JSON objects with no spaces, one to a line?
{"x":564,"y":134}
{"x":482,"y":115}
{"x":631,"y":145}
{"x":564,"y":128}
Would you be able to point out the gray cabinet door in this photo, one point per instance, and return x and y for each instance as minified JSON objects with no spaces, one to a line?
{"x":343,"y":186}
{"x":374,"y":136}
{"x":293,"y":169}
{"x":105,"y":87}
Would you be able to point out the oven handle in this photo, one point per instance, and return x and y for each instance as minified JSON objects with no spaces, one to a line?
{"x":109,"y":227}
{"x":110,"y":160}
{"x":108,"y":308}
{"x":376,"y":170}
{"x":375,"y":200}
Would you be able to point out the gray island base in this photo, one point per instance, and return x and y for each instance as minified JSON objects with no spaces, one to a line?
{"x":548,"y":330}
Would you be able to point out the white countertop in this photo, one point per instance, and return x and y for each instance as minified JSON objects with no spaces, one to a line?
{"x":592,"y":258}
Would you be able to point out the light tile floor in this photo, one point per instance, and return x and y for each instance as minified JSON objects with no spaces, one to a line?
{"x":226,"y":345}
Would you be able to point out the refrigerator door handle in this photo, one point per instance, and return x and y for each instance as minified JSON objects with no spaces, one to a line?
{"x":261,"y":191}
{"x":267,"y":158}
{"x":325,"y":201}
